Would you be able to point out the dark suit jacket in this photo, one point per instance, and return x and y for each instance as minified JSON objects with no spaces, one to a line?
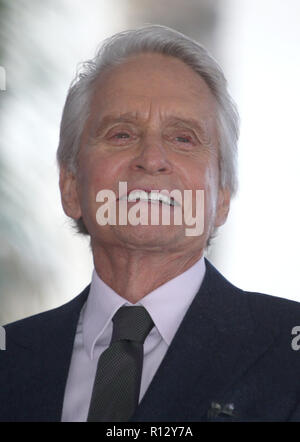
{"x":232,"y":347}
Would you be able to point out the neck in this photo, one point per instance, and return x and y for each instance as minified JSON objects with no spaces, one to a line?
{"x":135,"y":273}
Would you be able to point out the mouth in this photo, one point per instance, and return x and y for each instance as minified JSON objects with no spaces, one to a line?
{"x":150,"y":197}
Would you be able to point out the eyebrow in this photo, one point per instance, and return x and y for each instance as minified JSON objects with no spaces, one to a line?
{"x":199,"y":125}
{"x":110,"y":118}
{"x":129,"y":117}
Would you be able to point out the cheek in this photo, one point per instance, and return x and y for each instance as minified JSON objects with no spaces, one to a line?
{"x":204,"y":176}
{"x":95,"y":174}
{"x":201,"y":175}
{"x":92,"y":178}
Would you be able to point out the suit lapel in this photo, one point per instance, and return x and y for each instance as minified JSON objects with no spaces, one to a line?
{"x":59,"y":356}
{"x":214,"y":345}
{"x":46,"y":349}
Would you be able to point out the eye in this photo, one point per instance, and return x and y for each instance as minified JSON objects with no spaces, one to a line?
{"x":121,"y":135}
{"x":183,"y":139}
{"x":180,"y":137}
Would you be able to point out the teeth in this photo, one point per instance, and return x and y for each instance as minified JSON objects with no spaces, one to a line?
{"x":138,"y":195}
{"x":145,"y":196}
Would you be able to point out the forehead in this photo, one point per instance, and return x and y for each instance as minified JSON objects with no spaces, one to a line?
{"x":152,"y":84}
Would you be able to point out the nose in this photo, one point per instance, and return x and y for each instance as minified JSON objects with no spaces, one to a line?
{"x":152,"y":157}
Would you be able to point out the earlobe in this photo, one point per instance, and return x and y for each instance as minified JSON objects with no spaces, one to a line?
{"x":69,"y":195}
{"x":223,"y":207}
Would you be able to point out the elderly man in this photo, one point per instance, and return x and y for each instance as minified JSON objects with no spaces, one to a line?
{"x":159,"y":334}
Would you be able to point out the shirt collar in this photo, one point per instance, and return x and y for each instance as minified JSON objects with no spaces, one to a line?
{"x":103,"y":302}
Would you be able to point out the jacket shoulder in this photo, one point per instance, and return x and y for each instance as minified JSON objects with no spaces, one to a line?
{"x":268,"y":305}
{"x":32,"y":327}
{"x":267,"y":310}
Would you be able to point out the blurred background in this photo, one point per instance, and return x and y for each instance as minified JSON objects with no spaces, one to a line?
{"x":43,"y":261}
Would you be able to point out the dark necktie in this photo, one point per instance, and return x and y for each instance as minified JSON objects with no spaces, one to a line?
{"x":118,"y":378}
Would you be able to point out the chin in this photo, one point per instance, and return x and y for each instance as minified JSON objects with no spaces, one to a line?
{"x":151,"y":236}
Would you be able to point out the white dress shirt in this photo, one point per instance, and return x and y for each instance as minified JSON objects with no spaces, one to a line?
{"x":166,"y":305}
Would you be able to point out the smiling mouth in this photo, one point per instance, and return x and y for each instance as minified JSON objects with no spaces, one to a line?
{"x":150,"y":197}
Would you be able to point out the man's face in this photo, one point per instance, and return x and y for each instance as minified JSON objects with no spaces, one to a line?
{"x":152,"y":124}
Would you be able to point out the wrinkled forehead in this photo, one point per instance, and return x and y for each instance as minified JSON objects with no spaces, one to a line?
{"x":152,"y":88}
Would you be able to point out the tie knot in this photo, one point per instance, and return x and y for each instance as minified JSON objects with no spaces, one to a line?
{"x":131,"y":323}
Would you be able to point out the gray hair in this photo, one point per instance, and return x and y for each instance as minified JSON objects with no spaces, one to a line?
{"x":156,"y":39}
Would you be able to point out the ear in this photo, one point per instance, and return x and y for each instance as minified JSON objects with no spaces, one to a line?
{"x":223,"y":206}
{"x":69,"y":194}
